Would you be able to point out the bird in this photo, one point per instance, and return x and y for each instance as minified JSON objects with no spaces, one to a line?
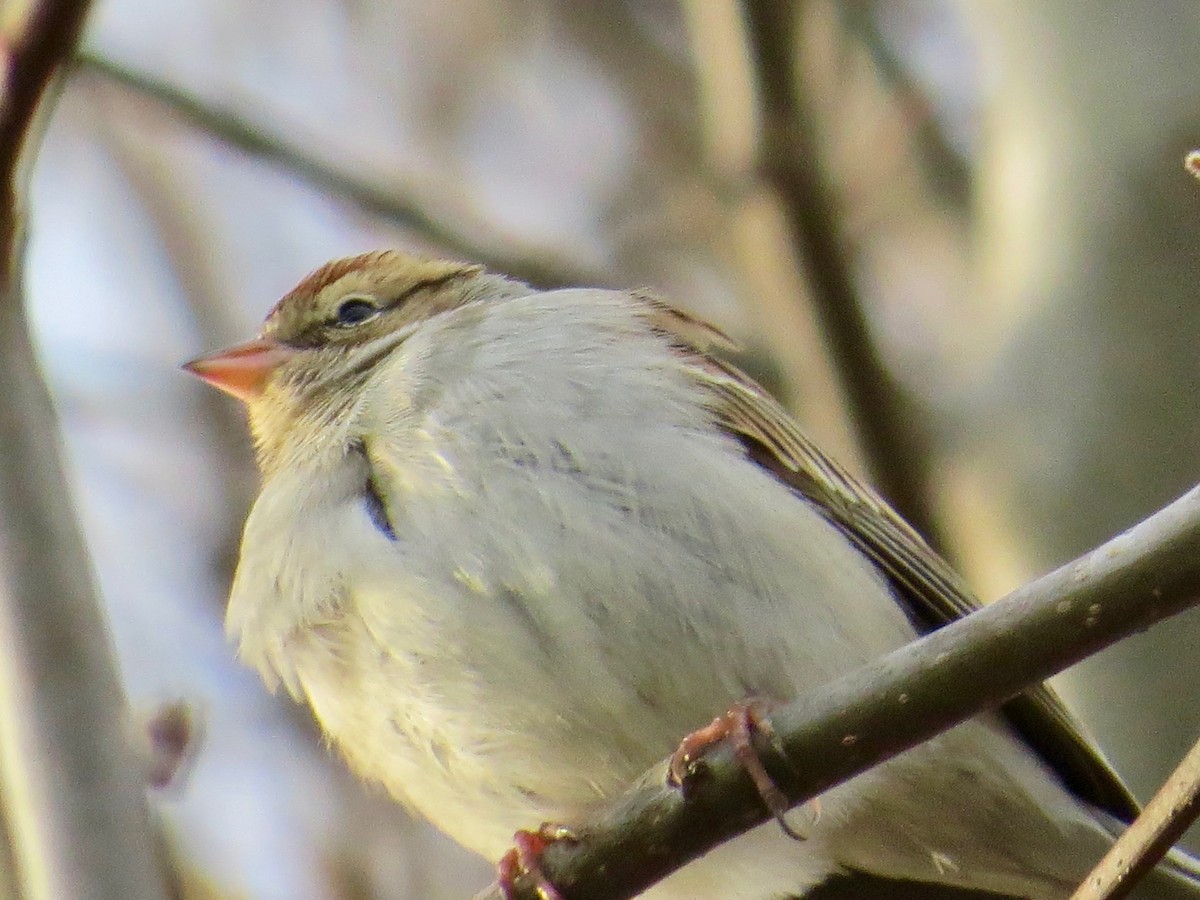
{"x":512,"y":545}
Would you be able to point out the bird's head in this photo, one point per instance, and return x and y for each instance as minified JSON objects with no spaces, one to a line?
{"x":323,"y":339}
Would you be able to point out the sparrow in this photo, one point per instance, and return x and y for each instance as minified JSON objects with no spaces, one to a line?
{"x":512,"y":545}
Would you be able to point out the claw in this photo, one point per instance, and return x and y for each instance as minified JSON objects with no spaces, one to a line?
{"x":525,"y":858}
{"x":737,"y":726}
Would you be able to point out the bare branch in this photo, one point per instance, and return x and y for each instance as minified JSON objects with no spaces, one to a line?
{"x":539,"y":266}
{"x":1163,"y":822}
{"x":941,"y":166}
{"x":73,"y":804}
{"x":1146,"y":574}
{"x":790,"y":163}
{"x":34,"y":46}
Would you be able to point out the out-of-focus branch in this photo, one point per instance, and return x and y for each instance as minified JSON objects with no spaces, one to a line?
{"x":36,"y":39}
{"x":73,"y":801}
{"x":755,"y":237}
{"x":791,"y":163}
{"x":538,"y":266}
{"x":1163,"y":822}
{"x":943,"y":168}
{"x":1146,"y":574}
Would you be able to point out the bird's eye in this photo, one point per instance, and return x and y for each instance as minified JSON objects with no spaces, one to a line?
{"x":354,"y":311}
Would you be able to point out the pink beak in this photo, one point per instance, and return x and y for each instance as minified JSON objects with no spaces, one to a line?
{"x":242,"y":370}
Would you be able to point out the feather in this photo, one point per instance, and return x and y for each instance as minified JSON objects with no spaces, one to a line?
{"x":932,"y":592}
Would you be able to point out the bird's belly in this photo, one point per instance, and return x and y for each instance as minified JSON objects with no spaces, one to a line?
{"x":494,"y":677}
{"x":388,"y":723}
{"x":482,"y":741}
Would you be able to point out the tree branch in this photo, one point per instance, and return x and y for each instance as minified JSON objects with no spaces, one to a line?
{"x":1140,"y":577}
{"x":943,"y":168}
{"x":1163,"y":822}
{"x":538,"y":266}
{"x":73,"y":804}
{"x":790,"y":163}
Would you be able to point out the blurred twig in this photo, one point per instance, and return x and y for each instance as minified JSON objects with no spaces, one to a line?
{"x":754,"y":236}
{"x":943,"y":168}
{"x":179,"y":232}
{"x":73,"y":803}
{"x":790,"y":162}
{"x":538,"y":266}
{"x":1163,"y":822}
{"x":1146,"y":574}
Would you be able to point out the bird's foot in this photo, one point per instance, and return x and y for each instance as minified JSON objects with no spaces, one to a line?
{"x":525,"y":858}
{"x":737,"y":727}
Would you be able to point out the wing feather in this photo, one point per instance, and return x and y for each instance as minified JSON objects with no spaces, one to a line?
{"x":933,"y":593}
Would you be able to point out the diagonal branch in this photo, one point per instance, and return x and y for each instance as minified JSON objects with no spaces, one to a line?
{"x":539,"y":266}
{"x":1146,"y":574}
{"x":791,"y":163}
{"x":944,"y":169}
{"x":1163,"y":822}
{"x":72,"y":802}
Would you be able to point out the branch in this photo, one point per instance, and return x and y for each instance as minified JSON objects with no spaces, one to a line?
{"x":1140,"y":577}
{"x":73,"y":803}
{"x":1163,"y":821}
{"x":33,"y":47}
{"x":538,"y":266}
{"x":790,"y":163}
{"x":941,"y":166}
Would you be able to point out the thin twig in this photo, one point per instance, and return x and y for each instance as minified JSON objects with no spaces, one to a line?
{"x":539,"y":266}
{"x":943,"y":168}
{"x":1144,"y":575}
{"x":1163,"y":822}
{"x":790,"y":162}
{"x":73,"y":803}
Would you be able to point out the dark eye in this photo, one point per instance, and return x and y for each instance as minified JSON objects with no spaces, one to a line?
{"x":355,"y":310}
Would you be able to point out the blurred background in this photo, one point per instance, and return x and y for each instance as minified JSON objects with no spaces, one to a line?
{"x":955,"y":236}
